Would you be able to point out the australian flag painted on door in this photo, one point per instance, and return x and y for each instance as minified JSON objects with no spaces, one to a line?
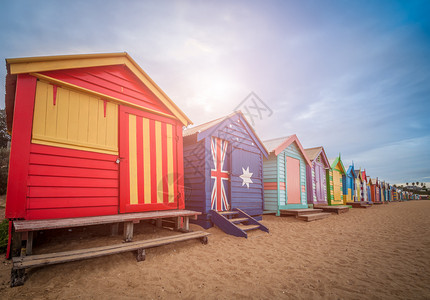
{"x":223,"y":167}
{"x":219,"y":175}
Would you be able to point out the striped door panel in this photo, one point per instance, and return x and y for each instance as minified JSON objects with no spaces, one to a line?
{"x":148,"y":164}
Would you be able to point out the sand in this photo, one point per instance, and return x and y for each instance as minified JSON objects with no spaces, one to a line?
{"x":378,"y":253}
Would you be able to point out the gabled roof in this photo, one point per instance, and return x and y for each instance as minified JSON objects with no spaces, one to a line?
{"x":351,"y":171}
{"x":33,"y":65}
{"x":358,"y":174}
{"x":334,"y":161}
{"x":313,"y":153}
{"x":278,"y":145}
{"x":207,"y":129}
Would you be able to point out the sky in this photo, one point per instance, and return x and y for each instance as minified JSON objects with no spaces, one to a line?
{"x":352,"y":76}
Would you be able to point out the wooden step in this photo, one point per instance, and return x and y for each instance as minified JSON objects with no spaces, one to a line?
{"x":313,"y":217}
{"x":67,"y":256}
{"x":298,"y":212}
{"x":248,"y":227}
{"x":228,"y":213}
{"x":238,"y":220}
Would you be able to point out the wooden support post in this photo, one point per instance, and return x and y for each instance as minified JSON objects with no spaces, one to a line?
{"x":16,"y":243}
{"x":158,"y":222}
{"x":114,"y":229}
{"x":29,"y":245}
{"x":24,"y":237}
{"x":128,"y":231}
{"x":141,"y":255}
{"x":177,"y":223}
{"x":187,"y":224}
{"x":17,"y":277}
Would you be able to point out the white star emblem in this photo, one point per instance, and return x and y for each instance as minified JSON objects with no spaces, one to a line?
{"x":246,"y":177}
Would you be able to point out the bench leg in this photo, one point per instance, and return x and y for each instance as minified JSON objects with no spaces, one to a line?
{"x":16,"y":243}
{"x":114,"y":229}
{"x":29,"y":245}
{"x":187,"y":224}
{"x":204,"y":240}
{"x":17,"y":277}
{"x":141,"y":255}
{"x":177,"y":223}
{"x":128,"y":231}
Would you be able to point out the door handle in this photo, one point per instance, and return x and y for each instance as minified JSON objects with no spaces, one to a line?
{"x":118,"y":160}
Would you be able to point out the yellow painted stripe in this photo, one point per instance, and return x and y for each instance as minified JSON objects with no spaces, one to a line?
{"x":169,"y":145}
{"x":146,"y":162}
{"x":159,"y":162}
{"x":132,"y":158}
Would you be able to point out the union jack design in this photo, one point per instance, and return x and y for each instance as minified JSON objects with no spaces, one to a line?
{"x":219,"y":197}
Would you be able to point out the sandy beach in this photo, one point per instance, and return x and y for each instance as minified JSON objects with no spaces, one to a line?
{"x":378,"y":253}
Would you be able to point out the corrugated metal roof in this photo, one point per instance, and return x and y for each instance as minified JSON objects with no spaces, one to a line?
{"x":272,"y":144}
{"x":312,"y":153}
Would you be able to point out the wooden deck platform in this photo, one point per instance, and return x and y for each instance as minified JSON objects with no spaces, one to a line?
{"x":339,"y":209}
{"x":306,"y":214}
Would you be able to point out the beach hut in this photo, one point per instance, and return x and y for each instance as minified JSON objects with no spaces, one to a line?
{"x":375,"y":191}
{"x":348,"y":183}
{"x":317,"y":183}
{"x":284,"y":172}
{"x":364,"y":187}
{"x":335,"y":185}
{"x":316,"y":176}
{"x":383,"y":189}
{"x":223,"y":165}
{"x":358,"y":185}
{"x":92,"y":135}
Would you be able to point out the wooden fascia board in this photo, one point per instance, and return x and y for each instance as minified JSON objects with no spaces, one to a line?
{"x":51,"y":63}
{"x":324,"y":157}
{"x":253,"y":135}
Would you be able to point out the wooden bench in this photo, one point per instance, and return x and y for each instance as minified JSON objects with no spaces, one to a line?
{"x":25,"y":228}
{"x":23,"y":231}
{"x":24,"y":262}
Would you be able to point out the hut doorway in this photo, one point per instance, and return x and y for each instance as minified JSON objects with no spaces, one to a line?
{"x":147,"y":158}
{"x":293,"y":180}
{"x":220,"y":174}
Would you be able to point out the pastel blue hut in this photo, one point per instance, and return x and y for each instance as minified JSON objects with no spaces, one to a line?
{"x":348,"y":181}
{"x":223,"y":173}
{"x":285,"y":175}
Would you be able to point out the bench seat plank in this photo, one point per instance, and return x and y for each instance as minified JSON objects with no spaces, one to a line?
{"x":67,"y":256}
{"x":33,"y":225}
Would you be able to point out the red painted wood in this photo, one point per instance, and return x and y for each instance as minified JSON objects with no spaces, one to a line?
{"x":164,"y":161}
{"x":20,"y":144}
{"x":49,"y":203}
{"x":76,"y":212}
{"x":56,"y":151}
{"x":139,"y":146}
{"x":180,"y":158}
{"x":71,"y":192}
{"x":72,"y":172}
{"x":51,"y":181}
{"x":98,"y":79}
{"x":149,"y":115}
{"x":175,"y":163}
{"x":54,"y":94}
{"x":124,"y":164}
{"x":154,"y":186}
{"x":43,"y":159}
{"x":151,"y":207}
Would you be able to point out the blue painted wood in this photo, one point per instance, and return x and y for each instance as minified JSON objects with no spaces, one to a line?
{"x":225,"y":225}
{"x":245,"y":152}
